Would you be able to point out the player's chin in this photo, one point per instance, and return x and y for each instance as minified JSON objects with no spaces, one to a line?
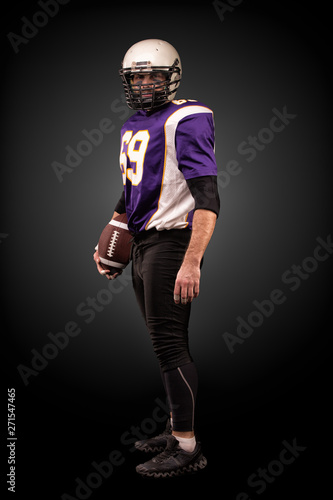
{"x":145,"y":98}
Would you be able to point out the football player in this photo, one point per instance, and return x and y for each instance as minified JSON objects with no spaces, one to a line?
{"x":171,"y":200}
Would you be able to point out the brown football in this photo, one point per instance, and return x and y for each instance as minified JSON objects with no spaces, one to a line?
{"x":114,"y":245}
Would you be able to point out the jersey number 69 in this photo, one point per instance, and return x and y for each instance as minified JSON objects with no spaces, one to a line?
{"x":136,"y":150}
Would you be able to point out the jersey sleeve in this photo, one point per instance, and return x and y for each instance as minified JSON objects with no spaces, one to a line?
{"x":195,"y":138}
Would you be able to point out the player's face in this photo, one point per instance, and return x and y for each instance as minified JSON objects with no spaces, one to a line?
{"x":147,"y":81}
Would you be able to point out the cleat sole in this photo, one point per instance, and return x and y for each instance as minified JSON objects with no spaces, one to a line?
{"x":189,"y":469}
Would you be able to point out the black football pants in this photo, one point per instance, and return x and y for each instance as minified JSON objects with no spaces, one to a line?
{"x":156,"y":259}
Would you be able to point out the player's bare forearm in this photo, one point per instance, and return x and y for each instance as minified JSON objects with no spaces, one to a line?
{"x":203,"y":226}
{"x":188,"y":277}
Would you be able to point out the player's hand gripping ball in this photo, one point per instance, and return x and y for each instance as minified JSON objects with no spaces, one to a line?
{"x":114,"y":245}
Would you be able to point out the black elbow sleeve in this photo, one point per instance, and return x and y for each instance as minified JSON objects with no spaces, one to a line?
{"x":205,"y":193}
{"x":120,"y":207}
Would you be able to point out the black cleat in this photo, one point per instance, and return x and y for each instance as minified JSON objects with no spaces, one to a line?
{"x":157,"y":443}
{"x":174,"y":461}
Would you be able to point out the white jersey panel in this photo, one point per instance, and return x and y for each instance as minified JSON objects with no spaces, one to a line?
{"x":175,"y":197}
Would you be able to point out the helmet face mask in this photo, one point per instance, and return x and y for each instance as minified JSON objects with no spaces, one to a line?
{"x":148,"y":57}
{"x":137,"y":94}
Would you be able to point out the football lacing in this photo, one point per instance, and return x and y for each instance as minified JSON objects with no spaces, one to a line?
{"x":112,"y":244}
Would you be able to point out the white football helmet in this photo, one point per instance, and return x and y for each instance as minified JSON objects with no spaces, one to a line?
{"x":149,"y":56}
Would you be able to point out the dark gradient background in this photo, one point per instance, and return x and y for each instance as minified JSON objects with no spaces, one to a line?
{"x":275,"y":386}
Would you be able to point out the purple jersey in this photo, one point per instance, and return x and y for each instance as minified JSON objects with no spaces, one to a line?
{"x":158,"y":152}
